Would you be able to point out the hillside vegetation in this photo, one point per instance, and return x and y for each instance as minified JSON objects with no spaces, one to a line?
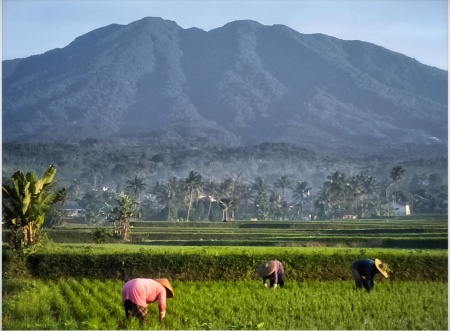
{"x":244,"y":83}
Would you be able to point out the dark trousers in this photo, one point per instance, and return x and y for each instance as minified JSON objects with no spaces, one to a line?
{"x":281,"y":279}
{"x":361,"y":281}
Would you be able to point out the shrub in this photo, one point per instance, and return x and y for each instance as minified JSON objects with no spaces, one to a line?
{"x":222,"y":263}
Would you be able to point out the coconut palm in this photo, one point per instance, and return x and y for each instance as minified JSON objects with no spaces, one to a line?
{"x":167,"y":195}
{"x":244,"y":194}
{"x":135,"y":186}
{"x":210,"y":190}
{"x":337,"y":188}
{"x":193,"y":184}
{"x":370,"y":190}
{"x":226,"y":188}
{"x":396,"y":175}
{"x":262,"y":204}
{"x":282,"y":183}
{"x":301,"y":192}
{"x":227,"y":194}
{"x":356,"y":189}
{"x":260,"y":184}
{"x":261,"y":201}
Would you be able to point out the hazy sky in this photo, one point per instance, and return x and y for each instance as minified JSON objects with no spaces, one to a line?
{"x":416,"y":28}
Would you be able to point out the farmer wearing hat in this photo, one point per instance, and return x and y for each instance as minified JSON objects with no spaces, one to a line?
{"x":139,"y":292}
{"x":364,"y":272}
{"x":272,"y":271}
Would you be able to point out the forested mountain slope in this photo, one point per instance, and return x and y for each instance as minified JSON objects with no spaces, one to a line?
{"x":243,"y":83}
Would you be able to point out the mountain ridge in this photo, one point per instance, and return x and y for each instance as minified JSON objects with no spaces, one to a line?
{"x":242,"y":83}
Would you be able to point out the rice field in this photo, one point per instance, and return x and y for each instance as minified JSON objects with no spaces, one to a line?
{"x":73,"y":284}
{"x":392,"y":233}
{"x":224,"y":305}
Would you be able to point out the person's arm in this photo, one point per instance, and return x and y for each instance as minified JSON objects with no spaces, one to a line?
{"x":162,"y":305}
{"x":264,"y":281}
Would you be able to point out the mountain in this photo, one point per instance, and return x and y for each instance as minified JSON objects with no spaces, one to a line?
{"x":244,"y":83}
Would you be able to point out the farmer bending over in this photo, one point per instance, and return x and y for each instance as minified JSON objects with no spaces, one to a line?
{"x":139,"y":292}
{"x":364,"y":272}
{"x":272,"y":271}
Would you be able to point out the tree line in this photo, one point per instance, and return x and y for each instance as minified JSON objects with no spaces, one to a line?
{"x":195,"y":198}
{"x":29,"y":202}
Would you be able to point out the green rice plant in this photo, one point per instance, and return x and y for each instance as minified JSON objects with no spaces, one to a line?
{"x":430,"y":233}
{"x":105,"y":294}
{"x":60,"y":308}
{"x":78,"y":307}
{"x":228,"y":305}
{"x":86,"y":292}
{"x":33,"y":303}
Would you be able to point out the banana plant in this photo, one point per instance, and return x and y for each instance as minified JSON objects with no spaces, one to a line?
{"x":120,"y":215}
{"x":25,"y":202}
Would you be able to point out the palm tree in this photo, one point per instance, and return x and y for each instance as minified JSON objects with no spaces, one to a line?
{"x":135,"y":186}
{"x":301,"y":192}
{"x":356,"y":186}
{"x":244,"y":194}
{"x":262,"y":204}
{"x":260,"y":184}
{"x":226,"y":188}
{"x":261,"y":201}
{"x":210,"y":190}
{"x":227,"y":193}
{"x":370,"y":190}
{"x":282,"y":183}
{"x":323,"y":200}
{"x":396,"y":175}
{"x":193,"y":184}
{"x":173,"y":192}
{"x":337,"y":189}
{"x":167,"y":195}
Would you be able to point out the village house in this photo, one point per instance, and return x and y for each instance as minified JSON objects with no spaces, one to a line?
{"x":397,"y":208}
{"x":72,"y":210}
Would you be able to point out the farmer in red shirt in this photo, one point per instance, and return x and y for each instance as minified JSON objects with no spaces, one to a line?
{"x":272,"y":271}
{"x":139,"y":292}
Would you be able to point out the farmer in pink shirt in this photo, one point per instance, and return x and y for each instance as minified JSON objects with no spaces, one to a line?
{"x":139,"y":292}
{"x":272,"y":271}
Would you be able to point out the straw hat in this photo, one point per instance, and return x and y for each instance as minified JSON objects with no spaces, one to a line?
{"x":383,"y":268}
{"x":165,"y":282}
{"x":266,"y":268}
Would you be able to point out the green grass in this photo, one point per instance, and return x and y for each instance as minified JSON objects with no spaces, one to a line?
{"x":335,"y":305}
